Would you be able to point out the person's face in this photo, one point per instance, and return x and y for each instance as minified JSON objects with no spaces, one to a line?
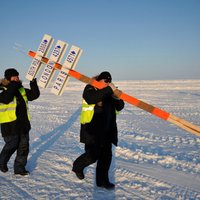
{"x":105,"y":81}
{"x":14,"y":78}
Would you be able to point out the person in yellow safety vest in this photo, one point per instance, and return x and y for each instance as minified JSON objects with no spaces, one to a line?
{"x":15,"y":119}
{"x":98,"y":129}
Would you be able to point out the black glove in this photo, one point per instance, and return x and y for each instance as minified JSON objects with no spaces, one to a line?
{"x":15,"y":85}
{"x":33,"y":82}
{"x":13,"y":88}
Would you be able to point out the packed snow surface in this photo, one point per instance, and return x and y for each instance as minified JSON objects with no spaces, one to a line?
{"x":154,"y":158}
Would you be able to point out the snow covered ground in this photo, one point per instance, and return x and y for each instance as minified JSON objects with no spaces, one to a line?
{"x":154,"y":158}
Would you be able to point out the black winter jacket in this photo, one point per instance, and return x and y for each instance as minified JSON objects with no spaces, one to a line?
{"x":6,"y":96}
{"x":103,"y":127}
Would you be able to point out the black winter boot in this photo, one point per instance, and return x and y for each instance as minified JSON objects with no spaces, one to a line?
{"x":4,"y":168}
{"x":79,"y":174}
{"x":106,"y":185}
{"x":22,"y":173}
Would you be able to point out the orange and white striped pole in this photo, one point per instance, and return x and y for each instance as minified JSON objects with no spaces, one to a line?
{"x":129,"y":99}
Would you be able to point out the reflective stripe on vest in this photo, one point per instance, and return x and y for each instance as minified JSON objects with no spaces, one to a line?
{"x":23,"y":93}
{"x":87,"y":112}
{"x":8,"y":111}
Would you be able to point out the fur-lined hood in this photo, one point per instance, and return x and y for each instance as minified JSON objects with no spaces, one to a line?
{"x":4,"y":82}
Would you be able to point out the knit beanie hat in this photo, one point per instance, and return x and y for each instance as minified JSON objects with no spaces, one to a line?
{"x":10,"y":72}
{"x":105,"y":75}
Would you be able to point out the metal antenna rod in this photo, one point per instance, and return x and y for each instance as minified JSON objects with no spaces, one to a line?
{"x":19,"y":48}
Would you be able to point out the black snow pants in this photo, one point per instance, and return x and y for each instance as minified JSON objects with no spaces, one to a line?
{"x":20,"y":144}
{"x":100,"y":153}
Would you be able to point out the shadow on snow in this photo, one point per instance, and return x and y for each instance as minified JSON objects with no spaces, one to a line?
{"x":47,"y":140}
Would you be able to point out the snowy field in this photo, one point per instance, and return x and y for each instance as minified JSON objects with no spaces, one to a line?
{"x":154,"y":158}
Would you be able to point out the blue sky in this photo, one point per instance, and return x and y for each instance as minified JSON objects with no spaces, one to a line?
{"x":133,"y":39}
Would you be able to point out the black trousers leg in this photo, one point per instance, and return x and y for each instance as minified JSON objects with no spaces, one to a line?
{"x":103,"y":164}
{"x":11,"y":145}
{"x":22,"y":153}
{"x":86,"y":159}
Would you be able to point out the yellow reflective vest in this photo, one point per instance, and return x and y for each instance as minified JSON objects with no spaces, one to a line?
{"x":87,"y":112}
{"x":8,"y":111}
